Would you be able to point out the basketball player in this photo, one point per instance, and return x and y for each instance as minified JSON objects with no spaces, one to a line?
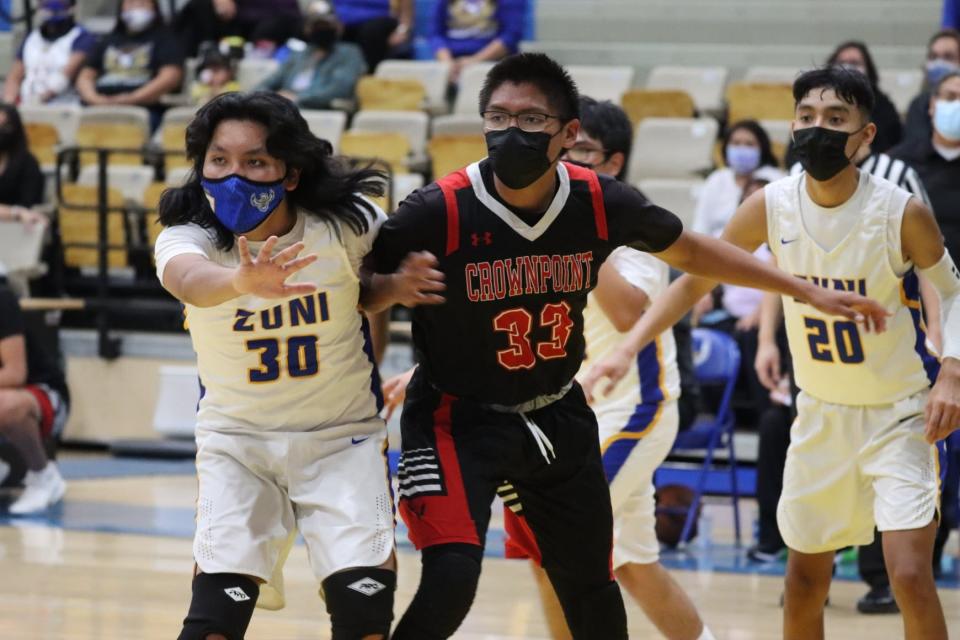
{"x":862,"y":448}
{"x":520,"y":239}
{"x":288,"y":433}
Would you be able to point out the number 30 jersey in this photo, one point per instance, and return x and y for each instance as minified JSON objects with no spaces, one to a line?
{"x":834,"y":359}
{"x":511,"y":328}
{"x":295,"y":364}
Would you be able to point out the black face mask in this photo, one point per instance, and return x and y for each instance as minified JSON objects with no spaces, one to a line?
{"x":519,"y":157}
{"x":822,"y":152}
{"x":56,"y":29}
{"x":324,"y":37}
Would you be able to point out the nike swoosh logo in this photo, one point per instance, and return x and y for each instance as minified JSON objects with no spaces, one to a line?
{"x":782,"y":241}
{"x":358,"y":440}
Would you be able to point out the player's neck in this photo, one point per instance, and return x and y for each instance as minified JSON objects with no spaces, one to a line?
{"x":835,"y":191}
{"x":534,"y":198}
{"x":280,"y":222}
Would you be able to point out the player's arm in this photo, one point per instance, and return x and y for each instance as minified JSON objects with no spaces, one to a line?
{"x":923,"y":245}
{"x":415,"y":282}
{"x":622,"y":302}
{"x":767,"y":362}
{"x":197,"y":281}
{"x":13,"y":362}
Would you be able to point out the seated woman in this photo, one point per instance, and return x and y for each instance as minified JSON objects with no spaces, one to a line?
{"x":325,"y":71}
{"x":137,"y":63}
{"x":21,"y":181}
{"x":470,"y":31}
{"x":49,"y":58}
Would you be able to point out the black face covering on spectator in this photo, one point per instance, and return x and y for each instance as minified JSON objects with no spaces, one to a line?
{"x":56,"y":29}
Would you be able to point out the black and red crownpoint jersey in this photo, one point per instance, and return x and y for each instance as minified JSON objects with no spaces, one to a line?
{"x":511,"y":328}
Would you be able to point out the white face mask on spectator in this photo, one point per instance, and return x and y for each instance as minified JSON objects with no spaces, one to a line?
{"x":137,"y":19}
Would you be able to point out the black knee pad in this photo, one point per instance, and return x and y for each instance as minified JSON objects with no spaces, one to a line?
{"x":360,"y":602}
{"x":448,"y":584}
{"x":222,"y":603}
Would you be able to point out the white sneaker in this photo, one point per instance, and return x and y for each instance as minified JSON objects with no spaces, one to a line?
{"x":43,"y":489}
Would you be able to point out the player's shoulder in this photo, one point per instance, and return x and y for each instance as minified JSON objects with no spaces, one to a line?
{"x":187,"y":233}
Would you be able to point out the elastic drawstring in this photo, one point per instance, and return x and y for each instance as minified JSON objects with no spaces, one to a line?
{"x":543,"y":442}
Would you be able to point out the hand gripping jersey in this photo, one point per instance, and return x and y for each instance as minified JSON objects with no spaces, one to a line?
{"x":511,"y":328}
{"x":834,"y":359}
{"x":299,"y":364}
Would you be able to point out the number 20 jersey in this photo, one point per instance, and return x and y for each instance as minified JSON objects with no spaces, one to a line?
{"x":511,"y":328}
{"x":835,"y":360}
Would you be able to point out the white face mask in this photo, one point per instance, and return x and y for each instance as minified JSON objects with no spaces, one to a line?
{"x":137,"y":19}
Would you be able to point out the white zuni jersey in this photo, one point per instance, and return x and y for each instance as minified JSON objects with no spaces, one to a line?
{"x":298,"y":364}
{"x":834,"y":359}
{"x":655,"y":378}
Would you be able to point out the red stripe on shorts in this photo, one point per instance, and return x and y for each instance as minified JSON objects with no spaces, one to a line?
{"x":46,"y":408}
{"x":520,"y":542}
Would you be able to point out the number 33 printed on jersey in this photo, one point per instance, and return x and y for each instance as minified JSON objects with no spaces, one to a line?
{"x":517,"y":324}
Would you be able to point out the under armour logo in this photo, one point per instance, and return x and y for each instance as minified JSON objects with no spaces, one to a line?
{"x":237,"y":594}
{"x":261,"y":202}
{"x":486,"y":237}
{"x":367,"y":586}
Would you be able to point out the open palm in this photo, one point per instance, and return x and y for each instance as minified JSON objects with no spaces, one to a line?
{"x":267,"y":275}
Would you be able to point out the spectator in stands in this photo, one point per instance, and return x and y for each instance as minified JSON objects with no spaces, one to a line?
{"x":943,"y":57}
{"x":211,"y":20}
{"x":469,"y":31}
{"x":49,"y":58}
{"x":936,"y":158}
{"x":215,"y":75}
{"x":382,"y":28}
{"x":33,"y":406}
{"x":21,"y":181}
{"x":137,"y":63}
{"x":326,"y":70}
{"x":855,"y":55}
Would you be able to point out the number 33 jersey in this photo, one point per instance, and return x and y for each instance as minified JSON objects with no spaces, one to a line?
{"x":295,"y":364}
{"x":836,"y":360}
{"x":511,"y":328}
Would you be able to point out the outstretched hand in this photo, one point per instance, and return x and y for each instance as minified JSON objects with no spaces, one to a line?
{"x":852,"y":306}
{"x":614,"y":367}
{"x":417,"y":281}
{"x":395,"y":390}
{"x":267,"y":275}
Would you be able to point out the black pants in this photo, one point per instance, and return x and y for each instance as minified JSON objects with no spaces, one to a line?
{"x":456,"y":454}
{"x":197,"y":22}
{"x":372,"y":37}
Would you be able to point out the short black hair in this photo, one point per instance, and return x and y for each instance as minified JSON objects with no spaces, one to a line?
{"x":328,"y":189}
{"x":850,"y":86}
{"x":872,"y":74}
{"x":608,"y":123}
{"x":767,"y":159}
{"x":543,"y":72}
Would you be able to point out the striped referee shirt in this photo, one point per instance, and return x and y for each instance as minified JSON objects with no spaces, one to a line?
{"x":896,"y":171}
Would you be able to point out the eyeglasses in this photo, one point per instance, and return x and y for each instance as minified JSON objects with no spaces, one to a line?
{"x":529,"y":122}
{"x":588,"y":155}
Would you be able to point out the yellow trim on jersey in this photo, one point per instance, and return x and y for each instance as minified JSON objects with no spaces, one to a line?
{"x":639,"y":435}
{"x":907,"y":302}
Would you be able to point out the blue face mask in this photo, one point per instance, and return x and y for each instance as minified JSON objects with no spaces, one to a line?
{"x":937,"y":69}
{"x":946,"y":118}
{"x":743,"y":159}
{"x":240,"y":204}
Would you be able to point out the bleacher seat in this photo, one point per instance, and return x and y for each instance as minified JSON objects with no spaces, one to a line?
{"x":471,"y":80}
{"x":772,"y":75}
{"x":457,"y":124}
{"x":119,"y":127}
{"x":413,"y":124}
{"x":678,"y":195}
{"x":901,"y":86}
{"x":252,"y":71}
{"x":656,"y":103}
{"x":387,"y":94}
{"x":704,"y":84}
{"x":671,"y":148}
{"x":450,"y":153}
{"x":20,"y":247}
{"x":43,"y":139}
{"x":65,"y":118}
{"x":403,"y":185}
{"x":151,"y":201}
{"x":176,"y":177}
{"x":779,"y":132}
{"x":78,"y":220}
{"x":433,"y":75}
{"x":602,"y":82}
{"x":326,"y":124}
{"x":759,"y":102}
{"x":391,"y":147}
{"x":171,"y":135}
{"x":130,"y":181}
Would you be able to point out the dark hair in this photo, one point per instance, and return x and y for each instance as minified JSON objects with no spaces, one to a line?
{"x":18,"y":144}
{"x":542,"y":72}
{"x":328,"y":188}
{"x":120,"y":26}
{"x":609,"y":124}
{"x":944,"y":33}
{"x":872,"y":74}
{"x":949,"y":76}
{"x":767,"y":159}
{"x":850,"y":86}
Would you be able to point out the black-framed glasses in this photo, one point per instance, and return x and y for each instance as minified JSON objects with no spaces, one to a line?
{"x":529,"y":122}
{"x":587,"y":155}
